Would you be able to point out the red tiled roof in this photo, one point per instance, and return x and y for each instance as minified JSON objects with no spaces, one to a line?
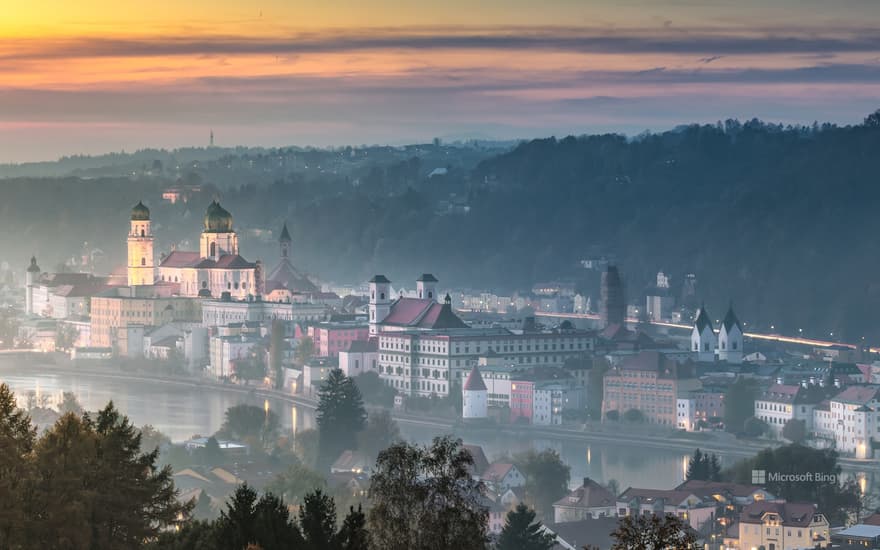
{"x":781,"y":393}
{"x":857,"y":395}
{"x":474,"y":381}
{"x":422,"y":313}
{"x":179,"y":258}
{"x":671,"y":496}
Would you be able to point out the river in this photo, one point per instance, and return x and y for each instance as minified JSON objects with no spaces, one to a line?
{"x":181,"y":411}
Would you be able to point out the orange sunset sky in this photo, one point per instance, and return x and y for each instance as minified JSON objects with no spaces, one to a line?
{"x":94,"y":76}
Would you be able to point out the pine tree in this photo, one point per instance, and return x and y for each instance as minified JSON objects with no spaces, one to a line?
{"x":353,"y":534}
{"x":17,"y":437}
{"x":695,"y":469}
{"x":317,"y":518}
{"x":340,"y":415}
{"x":522,"y":532}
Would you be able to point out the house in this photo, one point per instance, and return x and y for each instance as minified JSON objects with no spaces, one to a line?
{"x":684,"y":504}
{"x":783,"y":526}
{"x":575,"y":535}
{"x":724,"y":492}
{"x":503,"y":475}
{"x":866,"y":536}
{"x":590,"y":500}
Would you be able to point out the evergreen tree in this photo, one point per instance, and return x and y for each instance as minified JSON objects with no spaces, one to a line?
{"x":522,"y":532}
{"x":340,"y":415}
{"x":704,"y":467}
{"x":249,"y":421}
{"x":353,"y":534}
{"x":17,"y":437}
{"x":249,"y":520}
{"x":424,"y":498}
{"x":317,"y":517}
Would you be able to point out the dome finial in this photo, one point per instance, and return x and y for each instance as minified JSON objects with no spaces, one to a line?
{"x":140,"y":213}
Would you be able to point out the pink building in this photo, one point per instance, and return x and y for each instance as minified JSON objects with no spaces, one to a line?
{"x":522,"y":401}
{"x":331,"y":338}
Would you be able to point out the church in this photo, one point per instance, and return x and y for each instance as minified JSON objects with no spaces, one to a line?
{"x":216,"y":268}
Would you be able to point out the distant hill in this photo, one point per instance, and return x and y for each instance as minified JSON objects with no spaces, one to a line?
{"x":781,"y":220}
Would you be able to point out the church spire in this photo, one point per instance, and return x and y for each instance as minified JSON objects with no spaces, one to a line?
{"x":285,"y":241}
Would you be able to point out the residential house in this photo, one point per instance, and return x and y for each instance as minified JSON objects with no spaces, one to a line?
{"x":590,"y":500}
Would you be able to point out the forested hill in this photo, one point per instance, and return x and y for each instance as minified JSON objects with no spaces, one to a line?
{"x":783,"y":221}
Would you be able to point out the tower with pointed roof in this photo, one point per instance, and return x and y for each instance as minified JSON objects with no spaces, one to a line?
{"x":284,"y":242}
{"x":730,"y":338}
{"x":380,"y":301}
{"x":474,"y":396}
{"x":141,"y":262}
{"x":703,"y":339}
{"x":33,"y":271}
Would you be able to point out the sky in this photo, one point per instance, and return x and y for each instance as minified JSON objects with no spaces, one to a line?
{"x":96,"y":76}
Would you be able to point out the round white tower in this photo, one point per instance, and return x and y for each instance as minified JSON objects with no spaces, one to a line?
{"x":474,"y":396}
{"x":30,"y":280}
{"x":141,"y":267}
{"x":380,"y":302}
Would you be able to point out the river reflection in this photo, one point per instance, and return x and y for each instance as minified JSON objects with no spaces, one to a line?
{"x":184,"y":411}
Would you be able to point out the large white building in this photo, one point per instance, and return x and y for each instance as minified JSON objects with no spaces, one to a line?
{"x":216,"y":268}
{"x":782,"y":403}
{"x":851,"y":420}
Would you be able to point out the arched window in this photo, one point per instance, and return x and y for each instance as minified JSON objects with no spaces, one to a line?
{"x":213,"y":249}
{"x":382,"y":296}
{"x":143,"y":261}
{"x":142,"y":232}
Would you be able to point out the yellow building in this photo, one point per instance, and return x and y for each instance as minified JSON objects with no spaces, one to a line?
{"x":782,"y":526}
{"x":119,"y":308}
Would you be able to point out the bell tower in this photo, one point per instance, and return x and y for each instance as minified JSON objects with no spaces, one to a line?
{"x":141,"y":266}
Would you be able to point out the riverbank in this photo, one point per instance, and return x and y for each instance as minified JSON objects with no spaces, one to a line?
{"x":640,"y":438}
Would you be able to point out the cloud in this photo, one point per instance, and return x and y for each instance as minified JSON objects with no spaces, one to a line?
{"x":711,"y":42}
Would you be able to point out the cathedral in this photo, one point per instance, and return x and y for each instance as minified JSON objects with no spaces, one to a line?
{"x":216,"y":268}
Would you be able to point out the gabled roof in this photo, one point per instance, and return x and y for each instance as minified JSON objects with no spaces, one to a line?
{"x":285,"y":275}
{"x":857,"y":395}
{"x":781,"y":393}
{"x":497,"y":471}
{"x":731,"y":321}
{"x":474,"y":381}
{"x":703,"y":320}
{"x":588,"y":495}
{"x":364,"y":346}
{"x":673,"y":497}
{"x":708,"y":488}
{"x":481,"y":463}
{"x":180,"y":258}
{"x":422,"y":313}
{"x":226,"y":261}
{"x":793,"y":514}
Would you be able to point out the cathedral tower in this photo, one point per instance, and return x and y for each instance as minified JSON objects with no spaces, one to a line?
{"x":218,"y":238}
{"x":141,"y":269}
{"x":380,"y":302}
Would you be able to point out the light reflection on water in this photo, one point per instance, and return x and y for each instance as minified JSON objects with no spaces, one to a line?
{"x":184,"y":411}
